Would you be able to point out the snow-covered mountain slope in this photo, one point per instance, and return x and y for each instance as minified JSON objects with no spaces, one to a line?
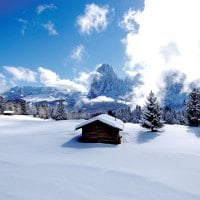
{"x":99,"y":107}
{"x":37,"y":94}
{"x":108,"y":84}
{"x":41,"y":159}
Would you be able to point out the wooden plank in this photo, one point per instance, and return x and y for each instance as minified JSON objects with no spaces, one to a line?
{"x":100,"y":132}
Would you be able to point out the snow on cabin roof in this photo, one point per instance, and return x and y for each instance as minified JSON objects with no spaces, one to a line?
{"x":104,"y":118}
{"x":8,"y":112}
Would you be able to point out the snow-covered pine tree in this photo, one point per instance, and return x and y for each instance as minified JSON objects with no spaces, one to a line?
{"x":37,"y":110}
{"x":60,"y":113}
{"x":181,"y":117}
{"x":44,"y":111}
{"x":169,"y":116}
{"x":23,"y":107}
{"x":193,"y":108}
{"x":151,"y":116}
{"x":2,"y":104}
{"x":33,"y":110}
{"x":137,"y":114}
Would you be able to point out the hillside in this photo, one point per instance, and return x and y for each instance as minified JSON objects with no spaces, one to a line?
{"x":41,"y":159}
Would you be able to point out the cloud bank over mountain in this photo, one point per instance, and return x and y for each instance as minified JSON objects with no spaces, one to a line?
{"x":167,"y":38}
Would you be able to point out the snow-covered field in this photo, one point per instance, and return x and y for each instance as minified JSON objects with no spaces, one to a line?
{"x":41,"y":160}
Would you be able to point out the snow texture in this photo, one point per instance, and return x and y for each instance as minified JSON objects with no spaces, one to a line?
{"x":41,"y":159}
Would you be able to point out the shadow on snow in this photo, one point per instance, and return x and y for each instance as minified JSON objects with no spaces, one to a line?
{"x":77,"y":144}
{"x":146,"y":136}
{"x":194,"y":130}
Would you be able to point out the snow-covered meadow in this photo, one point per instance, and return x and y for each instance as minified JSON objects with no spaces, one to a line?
{"x":41,"y":159}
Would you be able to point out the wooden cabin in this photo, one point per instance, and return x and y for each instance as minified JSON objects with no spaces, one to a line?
{"x":102,"y":128}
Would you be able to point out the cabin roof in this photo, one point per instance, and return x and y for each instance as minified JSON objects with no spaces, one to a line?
{"x":104,"y":118}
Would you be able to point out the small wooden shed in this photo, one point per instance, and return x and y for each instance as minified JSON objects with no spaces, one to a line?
{"x":102,"y":128}
{"x":8,"y":112}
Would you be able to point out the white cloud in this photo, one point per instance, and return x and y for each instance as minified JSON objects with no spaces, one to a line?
{"x":21,"y":73}
{"x":128,"y":22}
{"x":24,"y":24}
{"x":3,"y":85}
{"x":50,"y":78}
{"x":94,"y":18}
{"x":168,"y":38}
{"x":24,"y":21}
{"x":86,"y":78}
{"x":169,"y":51}
{"x":50,"y":27}
{"x":131,"y":73}
{"x":78,"y":53}
{"x":41,"y":8}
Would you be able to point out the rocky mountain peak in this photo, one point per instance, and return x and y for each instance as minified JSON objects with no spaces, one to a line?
{"x":106,"y":70}
{"x":108,"y":84}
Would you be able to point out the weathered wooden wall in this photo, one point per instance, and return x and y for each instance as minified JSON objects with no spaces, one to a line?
{"x":100,"y":132}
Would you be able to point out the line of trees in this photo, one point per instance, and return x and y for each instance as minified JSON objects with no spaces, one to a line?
{"x":41,"y":110}
{"x":151,"y":116}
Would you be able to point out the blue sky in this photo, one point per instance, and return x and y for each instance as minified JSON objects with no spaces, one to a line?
{"x":50,"y":34}
{"x":60,"y":43}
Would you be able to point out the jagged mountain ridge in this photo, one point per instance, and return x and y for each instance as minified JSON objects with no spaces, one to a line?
{"x":108,"y":84}
{"x":43,"y":95}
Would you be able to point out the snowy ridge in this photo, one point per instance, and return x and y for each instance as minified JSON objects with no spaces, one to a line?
{"x":36,"y":94}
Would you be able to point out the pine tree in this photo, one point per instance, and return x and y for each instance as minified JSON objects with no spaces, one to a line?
{"x":181,"y":117}
{"x":60,"y":113}
{"x":2,"y":104}
{"x":193,"y":108}
{"x":110,"y":112}
{"x":44,"y":111}
{"x":33,"y":110}
{"x":151,"y":116}
{"x":137,"y":114}
{"x":169,"y":116}
{"x":23,"y":107}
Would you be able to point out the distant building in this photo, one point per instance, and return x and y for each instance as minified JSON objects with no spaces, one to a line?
{"x":8,"y":112}
{"x":102,"y":128}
